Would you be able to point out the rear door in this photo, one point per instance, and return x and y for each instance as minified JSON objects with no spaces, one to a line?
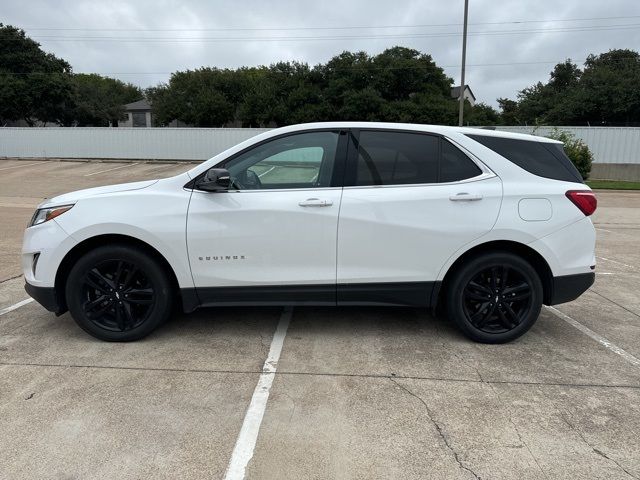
{"x":410,"y":201}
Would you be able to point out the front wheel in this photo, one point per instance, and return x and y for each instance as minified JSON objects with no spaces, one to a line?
{"x":118,"y":293}
{"x":495,"y":297}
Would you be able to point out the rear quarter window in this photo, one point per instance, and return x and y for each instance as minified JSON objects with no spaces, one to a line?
{"x":543,"y":159}
{"x":455,"y":165}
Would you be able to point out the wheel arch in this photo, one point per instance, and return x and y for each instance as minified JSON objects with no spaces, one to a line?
{"x":536,"y":260}
{"x":188,"y":302}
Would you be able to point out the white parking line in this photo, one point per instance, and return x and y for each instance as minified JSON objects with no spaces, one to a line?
{"x":19,"y":166}
{"x":598,"y":338}
{"x":112,"y":169}
{"x":616,"y":262}
{"x":246,"y":442}
{"x":164,"y":167}
{"x":15,"y":305}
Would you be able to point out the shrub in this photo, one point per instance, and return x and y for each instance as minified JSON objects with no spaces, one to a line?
{"x":577,"y":151}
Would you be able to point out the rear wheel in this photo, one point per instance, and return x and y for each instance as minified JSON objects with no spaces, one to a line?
{"x":495,"y":297}
{"x":118,"y":293}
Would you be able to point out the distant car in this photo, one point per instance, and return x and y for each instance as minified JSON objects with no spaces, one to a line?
{"x":485,"y":225}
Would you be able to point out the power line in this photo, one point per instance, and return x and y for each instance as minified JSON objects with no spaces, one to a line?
{"x":353,"y":27}
{"x":57,"y":38}
{"x":364,"y":68}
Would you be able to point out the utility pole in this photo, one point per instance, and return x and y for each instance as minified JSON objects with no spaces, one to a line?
{"x":464,"y":61}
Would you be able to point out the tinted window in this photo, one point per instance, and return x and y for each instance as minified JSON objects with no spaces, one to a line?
{"x":455,"y":165}
{"x":302,"y":160}
{"x":395,"y":158}
{"x":540,"y":158}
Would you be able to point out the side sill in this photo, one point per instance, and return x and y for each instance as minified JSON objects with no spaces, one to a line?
{"x":412,"y":294}
{"x":268,"y":295}
{"x":405,"y":294}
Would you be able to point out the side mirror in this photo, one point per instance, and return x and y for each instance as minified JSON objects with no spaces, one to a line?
{"x":215,"y":180}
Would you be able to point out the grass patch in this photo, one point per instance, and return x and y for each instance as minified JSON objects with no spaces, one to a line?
{"x":613,"y":185}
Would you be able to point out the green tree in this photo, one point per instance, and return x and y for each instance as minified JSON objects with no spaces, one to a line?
{"x":399,"y":84}
{"x":603,"y":93}
{"x":364,"y":105}
{"x":399,"y":73}
{"x":509,"y":113}
{"x":34,"y":85}
{"x":481,"y":114}
{"x":99,"y":101}
{"x":608,"y":91}
{"x":203,"y":98}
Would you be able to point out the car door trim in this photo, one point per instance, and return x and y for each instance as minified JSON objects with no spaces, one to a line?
{"x":352,"y":157}
{"x":412,"y":294}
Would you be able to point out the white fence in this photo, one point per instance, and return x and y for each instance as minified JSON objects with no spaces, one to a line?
{"x":131,"y":143}
{"x":608,"y":144}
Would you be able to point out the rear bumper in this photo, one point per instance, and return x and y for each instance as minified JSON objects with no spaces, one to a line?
{"x":566,"y":288}
{"x":45,"y":296}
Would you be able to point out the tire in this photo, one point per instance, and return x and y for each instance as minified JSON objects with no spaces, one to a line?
{"x":118,"y":293}
{"x":495,"y":297}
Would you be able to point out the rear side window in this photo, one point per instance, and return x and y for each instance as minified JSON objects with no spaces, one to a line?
{"x":399,"y":158}
{"x":543,"y":159}
{"x":396,"y":158}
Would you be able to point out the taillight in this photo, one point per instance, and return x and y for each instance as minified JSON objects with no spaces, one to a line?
{"x":585,"y":200}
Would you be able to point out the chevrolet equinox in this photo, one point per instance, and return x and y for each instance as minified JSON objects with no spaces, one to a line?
{"x":487,"y":226}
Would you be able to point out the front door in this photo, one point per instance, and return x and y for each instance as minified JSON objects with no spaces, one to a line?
{"x":271,"y":239}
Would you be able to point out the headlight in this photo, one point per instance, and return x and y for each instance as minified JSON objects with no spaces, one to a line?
{"x":45,"y":214}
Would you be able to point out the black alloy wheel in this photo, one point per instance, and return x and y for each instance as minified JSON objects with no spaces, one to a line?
{"x":118,"y":293}
{"x":495,"y":297}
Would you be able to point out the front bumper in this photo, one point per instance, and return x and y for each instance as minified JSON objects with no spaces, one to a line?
{"x":45,"y":296}
{"x":566,"y":288}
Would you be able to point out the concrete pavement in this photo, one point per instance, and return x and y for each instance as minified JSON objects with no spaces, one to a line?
{"x":359,"y":393}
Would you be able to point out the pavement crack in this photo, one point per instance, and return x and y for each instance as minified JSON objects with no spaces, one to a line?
{"x":438,"y":428}
{"x":602,"y":454}
{"x":515,"y":427}
{"x":317,"y":374}
{"x":509,"y":416}
{"x":615,"y":303}
{"x":595,"y":450}
{"x":10,"y":278}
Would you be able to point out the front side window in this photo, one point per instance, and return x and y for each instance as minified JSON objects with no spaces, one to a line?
{"x":303,"y":160}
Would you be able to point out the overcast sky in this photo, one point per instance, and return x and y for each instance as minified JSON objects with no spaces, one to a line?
{"x":181,"y":35}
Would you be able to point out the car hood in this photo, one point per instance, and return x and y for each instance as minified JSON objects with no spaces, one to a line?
{"x":73,"y":197}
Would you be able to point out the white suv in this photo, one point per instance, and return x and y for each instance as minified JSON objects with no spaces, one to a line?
{"x":485,"y":225}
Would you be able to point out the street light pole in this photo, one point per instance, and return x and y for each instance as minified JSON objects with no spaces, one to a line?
{"x":464,"y":60}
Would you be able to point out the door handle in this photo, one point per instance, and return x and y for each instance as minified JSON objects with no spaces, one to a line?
{"x":465,"y":197}
{"x":315,"y":202}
